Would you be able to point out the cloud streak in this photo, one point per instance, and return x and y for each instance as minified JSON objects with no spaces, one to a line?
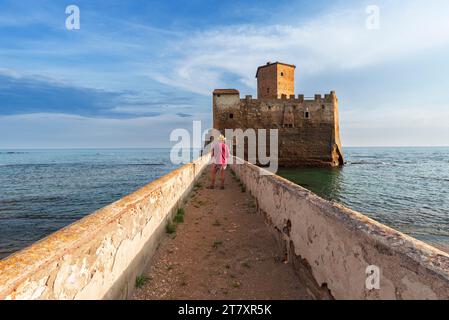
{"x":21,"y":94}
{"x":336,"y":40}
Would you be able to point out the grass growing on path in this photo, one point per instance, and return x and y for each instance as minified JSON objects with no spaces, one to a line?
{"x":141,"y":281}
{"x":170,"y":228}
{"x":179,"y":217}
{"x":217,"y":243}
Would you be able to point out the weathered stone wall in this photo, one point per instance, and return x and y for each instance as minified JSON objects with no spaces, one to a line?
{"x":285,"y":80}
{"x":267,"y":81}
{"x":309,"y":133}
{"x":331,"y":246}
{"x":274,"y":80}
{"x":99,"y":256}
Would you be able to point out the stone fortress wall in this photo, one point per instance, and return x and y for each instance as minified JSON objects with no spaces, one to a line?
{"x":309,"y":133}
{"x":308,"y":128}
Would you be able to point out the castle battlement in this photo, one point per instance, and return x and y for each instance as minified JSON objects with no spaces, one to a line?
{"x":300,"y":98}
{"x":308,"y":126}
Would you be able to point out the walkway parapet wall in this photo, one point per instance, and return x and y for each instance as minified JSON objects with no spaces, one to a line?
{"x":99,"y":256}
{"x":335,"y":249}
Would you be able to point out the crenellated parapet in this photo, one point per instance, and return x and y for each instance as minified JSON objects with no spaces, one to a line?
{"x":308,"y":127}
{"x":300,"y":98}
{"x":231,"y":109}
{"x":231,"y":97}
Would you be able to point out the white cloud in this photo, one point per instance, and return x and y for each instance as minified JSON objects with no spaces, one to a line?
{"x":146,"y":109}
{"x":335,"y":40}
{"x":10,"y":73}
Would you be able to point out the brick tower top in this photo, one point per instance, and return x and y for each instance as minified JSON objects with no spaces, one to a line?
{"x":275,"y":79}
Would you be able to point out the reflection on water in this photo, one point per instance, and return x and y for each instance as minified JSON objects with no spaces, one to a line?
{"x":325,"y":182}
{"x":405,"y":188}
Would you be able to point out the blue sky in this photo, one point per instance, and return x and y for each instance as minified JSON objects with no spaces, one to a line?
{"x":136,"y":70}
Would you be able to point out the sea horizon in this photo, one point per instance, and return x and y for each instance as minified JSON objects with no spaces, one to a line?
{"x":169,"y":147}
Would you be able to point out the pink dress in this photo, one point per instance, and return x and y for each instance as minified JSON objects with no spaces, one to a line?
{"x":220,"y":154}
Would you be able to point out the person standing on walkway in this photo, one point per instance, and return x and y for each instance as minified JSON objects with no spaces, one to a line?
{"x":220,"y":157}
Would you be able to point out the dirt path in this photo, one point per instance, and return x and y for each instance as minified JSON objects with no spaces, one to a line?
{"x":222,"y":250}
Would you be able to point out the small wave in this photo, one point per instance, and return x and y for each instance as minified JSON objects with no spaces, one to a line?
{"x":433,"y":178}
{"x":145,"y":164}
{"x":32,"y":164}
{"x":13,"y":152}
{"x":81,"y":165}
{"x":33,"y":199}
{"x":381,"y":163}
{"x":29,"y":204}
{"x":364,"y":156}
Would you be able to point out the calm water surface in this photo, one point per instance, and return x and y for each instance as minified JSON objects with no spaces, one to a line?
{"x":42,"y":191}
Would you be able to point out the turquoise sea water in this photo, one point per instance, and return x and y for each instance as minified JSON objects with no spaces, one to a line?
{"x":404,"y":188}
{"x":42,"y":191}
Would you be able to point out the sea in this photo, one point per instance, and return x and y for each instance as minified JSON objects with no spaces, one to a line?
{"x":405,"y":188}
{"x":42,"y":191}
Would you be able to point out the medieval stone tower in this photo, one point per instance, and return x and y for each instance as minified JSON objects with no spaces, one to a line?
{"x":308,"y":128}
{"x":275,"y":79}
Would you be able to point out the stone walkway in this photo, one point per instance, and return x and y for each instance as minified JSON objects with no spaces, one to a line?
{"x":222,"y":250}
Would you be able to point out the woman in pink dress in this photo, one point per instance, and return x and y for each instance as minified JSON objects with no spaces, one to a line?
{"x":220,"y":156}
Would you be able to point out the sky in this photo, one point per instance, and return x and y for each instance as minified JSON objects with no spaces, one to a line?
{"x":136,"y":70}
